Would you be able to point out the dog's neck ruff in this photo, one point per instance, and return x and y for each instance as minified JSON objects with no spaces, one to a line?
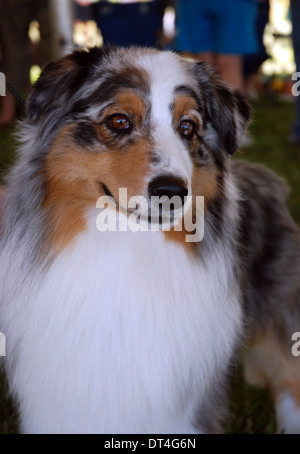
{"x":139,"y":310}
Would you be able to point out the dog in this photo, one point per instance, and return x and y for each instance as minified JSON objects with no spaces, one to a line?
{"x":136,"y":331}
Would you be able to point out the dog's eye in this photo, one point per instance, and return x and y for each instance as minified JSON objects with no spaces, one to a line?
{"x":187,"y":129}
{"x":119,"y":122}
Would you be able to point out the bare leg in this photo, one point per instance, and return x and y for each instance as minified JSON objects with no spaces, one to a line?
{"x":230,"y":67}
{"x":209,"y":57}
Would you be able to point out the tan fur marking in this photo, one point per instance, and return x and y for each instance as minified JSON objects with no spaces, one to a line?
{"x":204,"y":183}
{"x":132,"y":104}
{"x":73,"y":178}
{"x":180,"y":238}
{"x":184,"y":105}
{"x":130,"y":169}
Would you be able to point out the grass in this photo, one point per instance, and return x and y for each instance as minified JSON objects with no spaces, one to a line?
{"x":251,"y":408}
{"x":7,"y":151}
{"x":270,"y":128}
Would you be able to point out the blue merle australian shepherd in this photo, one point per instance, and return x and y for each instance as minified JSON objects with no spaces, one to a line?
{"x":127,"y":331}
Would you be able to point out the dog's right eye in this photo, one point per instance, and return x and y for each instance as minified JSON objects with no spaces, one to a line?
{"x":187,"y":129}
{"x":119,"y":123}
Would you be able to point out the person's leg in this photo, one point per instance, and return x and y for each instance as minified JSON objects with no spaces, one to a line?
{"x":295,"y":9}
{"x":231,"y":69}
{"x":130,"y":24}
{"x":253,"y":62}
{"x":235,"y":36}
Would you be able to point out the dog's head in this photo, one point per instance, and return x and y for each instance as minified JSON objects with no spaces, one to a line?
{"x":145,"y":120}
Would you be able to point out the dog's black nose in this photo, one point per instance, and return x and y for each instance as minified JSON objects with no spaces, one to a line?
{"x":168,"y":186}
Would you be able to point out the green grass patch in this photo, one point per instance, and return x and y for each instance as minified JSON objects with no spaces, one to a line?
{"x":7,"y":151}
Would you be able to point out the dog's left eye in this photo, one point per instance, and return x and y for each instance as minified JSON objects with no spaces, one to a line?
{"x":119,"y":122}
{"x":187,"y":129}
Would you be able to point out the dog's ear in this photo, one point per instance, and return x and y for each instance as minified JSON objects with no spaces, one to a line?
{"x":227,"y":111}
{"x":59,"y":83}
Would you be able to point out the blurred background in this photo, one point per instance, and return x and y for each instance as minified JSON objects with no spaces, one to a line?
{"x":33,"y":32}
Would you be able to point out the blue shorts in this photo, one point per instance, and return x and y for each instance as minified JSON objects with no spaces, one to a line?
{"x":220,"y":26}
{"x":126,"y":24}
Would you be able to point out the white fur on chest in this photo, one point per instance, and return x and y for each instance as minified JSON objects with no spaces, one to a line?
{"x":123,"y":336}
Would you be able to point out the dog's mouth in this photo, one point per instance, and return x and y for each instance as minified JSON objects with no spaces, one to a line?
{"x":123,"y":209}
{"x":148,"y":211}
{"x":107,"y":192}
